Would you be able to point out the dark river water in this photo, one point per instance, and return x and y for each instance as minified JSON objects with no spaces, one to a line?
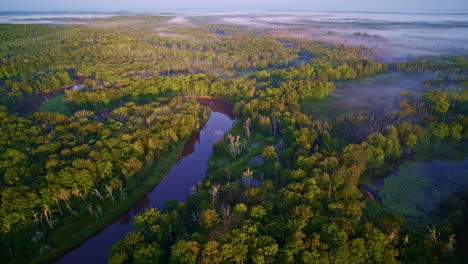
{"x":189,"y":170}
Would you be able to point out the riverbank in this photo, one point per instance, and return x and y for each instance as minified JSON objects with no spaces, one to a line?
{"x":81,"y":233}
{"x":86,"y":227}
{"x":34,"y":103}
{"x":189,"y":169}
{"x":216,"y":104}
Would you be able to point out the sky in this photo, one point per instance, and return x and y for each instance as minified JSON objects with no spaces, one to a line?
{"x":237,"y":5}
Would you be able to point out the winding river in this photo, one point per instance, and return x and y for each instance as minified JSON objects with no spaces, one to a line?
{"x":189,"y":170}
{"x":33,"y":104}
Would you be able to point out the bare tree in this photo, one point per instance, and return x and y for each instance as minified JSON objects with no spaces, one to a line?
{"x":228,"y":174}
{"x":41,"y":221}
{"x":247,"y":126}
{"x":451,"y":244}
{"x":406,"y":240}
{"x":237,"y":145}
{"x":433,"y":234}
{"x":196,"y":217}
{"x":214,"y":191}
{"x":394,"y":235}
{"x":36,"y":219}
{"x":48,"y":214}
{"x":65,"y":196}
{"x":57,"y":201}
{"x":169,"y":233}
{"x":226,"y":215}
{"x":247,"y":176}
{"x":110,"y":189}
{"x":77,"y":193}
{"x":123,"y":192}
{"x":46,"y":211}
{"x":275,"y":122}
{"x":147,"y":120}
{"x":96,"y":191}
{"x":231,"y":145}
{"x":234,"y":145}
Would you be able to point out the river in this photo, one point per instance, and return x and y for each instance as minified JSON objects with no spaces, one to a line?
{"x":188,"y":171}
{"x":33,"y":104}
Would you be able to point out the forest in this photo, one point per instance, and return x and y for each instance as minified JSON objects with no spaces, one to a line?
{"x":282,"y":186}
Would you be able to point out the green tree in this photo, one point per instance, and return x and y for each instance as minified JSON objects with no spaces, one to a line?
{"x":209,"y":218}
{"x":185,"y":252}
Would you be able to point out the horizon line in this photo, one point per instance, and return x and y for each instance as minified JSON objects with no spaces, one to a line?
{"x":246,"y":10}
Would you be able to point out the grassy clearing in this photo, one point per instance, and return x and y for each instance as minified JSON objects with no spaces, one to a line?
{"x":325,"y":109}
{"x":56,"y":105}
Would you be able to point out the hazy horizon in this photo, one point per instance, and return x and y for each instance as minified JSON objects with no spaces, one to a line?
{"x":191,"y":11}
{"x":416,"y":6}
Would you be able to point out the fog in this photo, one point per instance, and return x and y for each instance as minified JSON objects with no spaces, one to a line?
{"x":396,"y":36}
{"x":48,"y":18}
{"x":179,"y":20}
{"x":378,"y":94}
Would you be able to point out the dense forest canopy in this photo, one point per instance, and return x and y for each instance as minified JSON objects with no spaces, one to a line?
{"x":88,"y":154}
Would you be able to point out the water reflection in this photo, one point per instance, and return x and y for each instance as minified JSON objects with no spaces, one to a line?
{"x":189,"y":170}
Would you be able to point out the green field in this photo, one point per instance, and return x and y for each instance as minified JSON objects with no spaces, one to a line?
{"x":56,"y":105}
